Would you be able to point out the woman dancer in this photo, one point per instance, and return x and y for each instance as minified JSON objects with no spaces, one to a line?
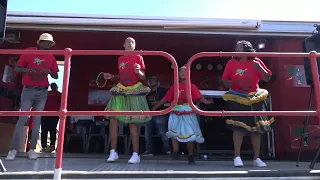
{"x":183,"y":124}
{"x":242,"y":75}
{"x":128,"y":95}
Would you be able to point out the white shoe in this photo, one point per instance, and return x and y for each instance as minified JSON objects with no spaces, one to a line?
{"x":237,"y":162}
{"x":259,"y":163}
{"x":11,"y":155}
{"x":32,"y":155}
{"x":135,"y":158}
{"x":113,"y":156}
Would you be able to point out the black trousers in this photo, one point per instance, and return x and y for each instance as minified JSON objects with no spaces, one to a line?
{"x":49,"y":124}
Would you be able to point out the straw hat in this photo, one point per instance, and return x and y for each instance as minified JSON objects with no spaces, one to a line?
{"x":46,"y":37}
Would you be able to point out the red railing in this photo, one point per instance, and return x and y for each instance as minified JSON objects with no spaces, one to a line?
{"x":313,"y":57}
{"x":63,"y":113}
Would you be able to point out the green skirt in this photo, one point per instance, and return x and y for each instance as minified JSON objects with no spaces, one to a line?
{"x":129,"y":98}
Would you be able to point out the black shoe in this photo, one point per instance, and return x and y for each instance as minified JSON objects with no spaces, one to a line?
{"x":50,"y":149}
{"x":175,"y":155}
{"x":43,"y":149}
{"x":191,"y":160}
{"x":147,"y":154}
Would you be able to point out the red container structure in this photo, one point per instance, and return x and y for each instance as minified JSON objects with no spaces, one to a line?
{"x":63,"y":113}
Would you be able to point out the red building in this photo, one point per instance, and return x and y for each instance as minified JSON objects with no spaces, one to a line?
{"x":181,"y":40}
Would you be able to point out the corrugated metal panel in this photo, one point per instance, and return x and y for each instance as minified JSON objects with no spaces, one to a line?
{"x":69,"y":22}
{"x":287,"y":27}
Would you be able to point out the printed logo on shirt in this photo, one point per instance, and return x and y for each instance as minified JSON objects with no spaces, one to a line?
{"x":122,"y":65}
{"x":241,"y":71}
{"x":38,"y":76}
{"x":38,"y":61}
{"x":180,"y":92}
{"x":152,"y":98}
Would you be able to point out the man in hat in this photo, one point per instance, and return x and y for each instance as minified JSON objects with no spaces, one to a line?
{"x":35,"y":69}
{"x":157,"y":122}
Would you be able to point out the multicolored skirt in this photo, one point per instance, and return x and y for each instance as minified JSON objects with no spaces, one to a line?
{"x":129,"y":98}
{"x":183,"y":125}
{"x":257,"y":101}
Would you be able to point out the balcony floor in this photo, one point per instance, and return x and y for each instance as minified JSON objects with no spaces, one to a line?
{"x":96,"y":167}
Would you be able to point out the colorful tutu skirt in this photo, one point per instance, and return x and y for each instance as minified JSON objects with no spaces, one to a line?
{"x":257,"y":101}
{"x":183,"y":125}
{"x":129,"y":98}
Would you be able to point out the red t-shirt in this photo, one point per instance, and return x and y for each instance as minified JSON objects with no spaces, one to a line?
{"x":34,"y":61}
{"x":53,"y":101}
{"x":195,"y":93}
{"x":126,"y":69}
{"x":244,"y":76}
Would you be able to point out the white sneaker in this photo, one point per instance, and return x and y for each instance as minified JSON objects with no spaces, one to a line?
{"x":259,"y":163}
{"x":135,"y":158}
{"x":11,"y":155}
{"x":237,"y":162}
{"x":32,"y":155}
{"x":113,"y":156}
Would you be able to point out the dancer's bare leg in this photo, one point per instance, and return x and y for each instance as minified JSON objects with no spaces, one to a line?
{"x":113,"y":129}
{"x":175,"y":149}
{"x":190,"y":147}
{"x":135,"y":137}
{"x":135,"y":158}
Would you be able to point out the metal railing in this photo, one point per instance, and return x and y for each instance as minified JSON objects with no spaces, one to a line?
{"x":314,"y":68}
{"x":63,"y":113}
{"x":68,"y":53}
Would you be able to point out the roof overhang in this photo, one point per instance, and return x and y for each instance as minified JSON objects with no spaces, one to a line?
{"x":82,"y":22}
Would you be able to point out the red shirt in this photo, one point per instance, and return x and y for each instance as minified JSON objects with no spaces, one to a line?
{"x":126,"y":69}
{"x":195,"y":93}
{"x":53,"y":101}
{"x":34,"y":61}
{"x":244,"y":76}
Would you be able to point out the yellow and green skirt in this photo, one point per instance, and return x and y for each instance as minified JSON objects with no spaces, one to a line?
{"x":257,"y":101}
{"x":129,"y":98}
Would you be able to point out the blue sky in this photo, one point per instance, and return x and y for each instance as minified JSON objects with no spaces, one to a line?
{"x":59,"y":80}
{"x":291,"y":10}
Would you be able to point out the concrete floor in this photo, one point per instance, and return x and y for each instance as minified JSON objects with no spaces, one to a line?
{"x":96,"y":167}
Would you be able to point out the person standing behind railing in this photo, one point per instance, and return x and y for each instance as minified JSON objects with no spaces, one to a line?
{"x":128,"y":95}
{"x":35,"y":69}
{"x":157,"y":122}
{"x":183,"y":123}
{"x":49,"y":123}
{"x":242,"y":75}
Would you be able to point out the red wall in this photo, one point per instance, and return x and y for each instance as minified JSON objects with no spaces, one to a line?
{"x":182,"y":47}
{"x":287,"y":98}
{"x":6,"y":104}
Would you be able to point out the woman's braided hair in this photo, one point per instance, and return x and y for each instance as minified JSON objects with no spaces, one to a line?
{"x":247,"y":47}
